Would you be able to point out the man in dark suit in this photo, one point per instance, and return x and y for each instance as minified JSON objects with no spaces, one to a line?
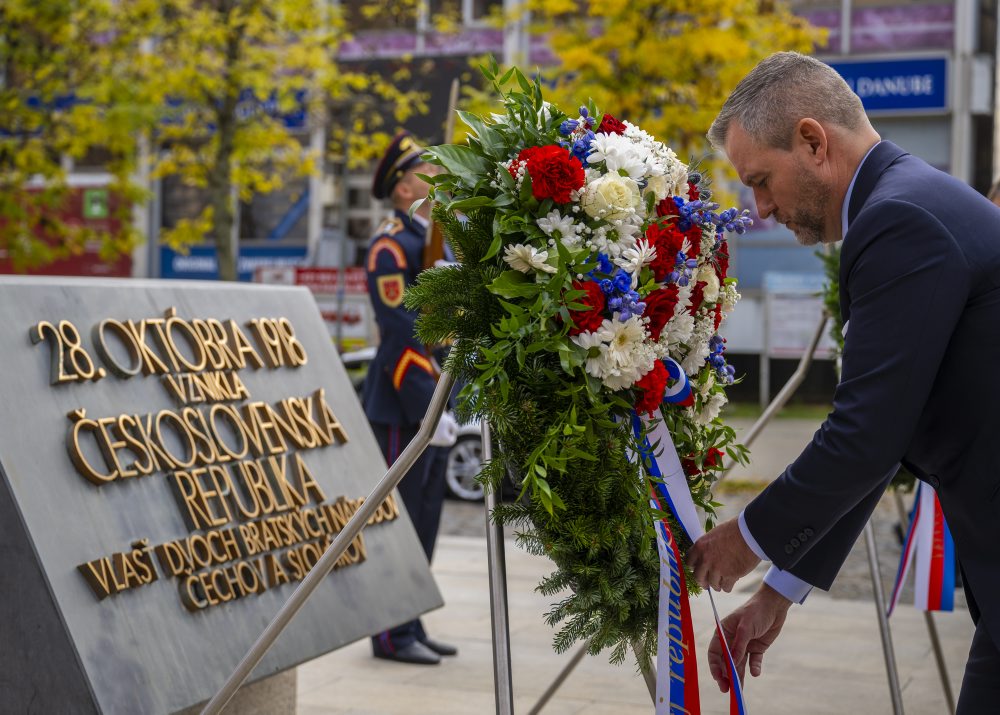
{"x":920,"y":296}
{"x":402,"y":376}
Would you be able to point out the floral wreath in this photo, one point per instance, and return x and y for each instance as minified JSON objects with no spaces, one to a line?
{"x":590,"y":286}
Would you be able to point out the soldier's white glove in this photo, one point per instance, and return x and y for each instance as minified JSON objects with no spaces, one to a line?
{"x":447,"y":431}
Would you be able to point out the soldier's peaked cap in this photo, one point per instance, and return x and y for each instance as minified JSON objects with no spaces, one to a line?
{"x":403,"y":154}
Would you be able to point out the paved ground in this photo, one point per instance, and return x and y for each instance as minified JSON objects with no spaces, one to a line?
{"x":828,"y":660}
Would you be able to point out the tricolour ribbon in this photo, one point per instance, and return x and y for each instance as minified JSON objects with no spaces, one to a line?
{"x":929,"y":543}
{"x":676,"y":667}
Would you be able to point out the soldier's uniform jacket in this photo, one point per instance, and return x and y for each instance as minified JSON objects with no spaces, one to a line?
{"x":401,"y":378}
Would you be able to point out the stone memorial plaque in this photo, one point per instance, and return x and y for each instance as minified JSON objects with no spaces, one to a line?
{"x":174,"y":456}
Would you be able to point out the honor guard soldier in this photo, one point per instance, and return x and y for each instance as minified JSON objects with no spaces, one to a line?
{"x":403,"y":375}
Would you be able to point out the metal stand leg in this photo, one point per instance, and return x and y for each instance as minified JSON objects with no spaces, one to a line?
{"x":949,"y":697}
{"x":647,"y":668}
{"x":502,"y":680}
{"x":883,"y":622}
{"x":560,"y":679}
{"x":336,"y":549}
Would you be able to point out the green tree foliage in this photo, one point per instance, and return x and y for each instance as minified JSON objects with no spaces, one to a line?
{"x":206,"y":82}
{"x":665,"y":64}
{"x":231,"y":69}
{"x":59,"y":100}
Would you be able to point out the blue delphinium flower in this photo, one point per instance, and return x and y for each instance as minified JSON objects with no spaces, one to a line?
{"x":568,"y":127}
{"x":724,"y":373}
{"x":581,"y":147}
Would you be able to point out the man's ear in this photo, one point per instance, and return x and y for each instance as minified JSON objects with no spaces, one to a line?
{"x":810,"y":135}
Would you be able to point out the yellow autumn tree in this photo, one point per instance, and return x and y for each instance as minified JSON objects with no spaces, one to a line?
{"x":58,"y":101}
{"x":666,"y":65}
{"x":233,"y":75}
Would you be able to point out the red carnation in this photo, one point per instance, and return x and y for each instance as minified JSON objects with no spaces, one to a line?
{"x":713,"y":458}
{"x":610,"y":125}
{"x":697,"y":296}
{"x":718,"y":315}
{"x":651,"y":387}
{"x":667,"y":207}
{"x":693,"y":193}
{"x":585,"y":321}
{"x":722,"y":260}
{"x":693,"y":235}
{"x":667,"y":241}
{"x":554,"y":172}
{"x":660,"y":307}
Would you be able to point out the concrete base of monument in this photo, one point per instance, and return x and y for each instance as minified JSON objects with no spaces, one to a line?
{"x":268,"y":696}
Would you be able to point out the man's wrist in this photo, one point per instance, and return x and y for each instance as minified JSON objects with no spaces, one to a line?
{"x":773,"y":597}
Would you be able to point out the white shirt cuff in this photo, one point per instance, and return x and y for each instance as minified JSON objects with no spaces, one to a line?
{"x":751,"y":542}
{"x":791,"y":587}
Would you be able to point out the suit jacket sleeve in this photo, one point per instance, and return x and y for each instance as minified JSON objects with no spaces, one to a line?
{"x":906,"y":283}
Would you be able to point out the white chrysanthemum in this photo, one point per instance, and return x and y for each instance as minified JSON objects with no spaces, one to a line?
{"x":628,"y":229}
{"x":618,"y":153}
{"x":624,"y":355}
{"x":660,"y":159}
{"x":625,"y":338}
{"x":611,"y":197}
{"x":677,"y":331}
{"x":711,"y":409}
{"x":633,"y":259}
{"x":699,"y":350}
{"x":706,"y":388}
{"x":562,"y":227}
{"x":527,"y":259}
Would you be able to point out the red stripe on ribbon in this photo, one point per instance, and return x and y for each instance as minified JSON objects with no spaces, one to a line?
{"x":935,"y":582}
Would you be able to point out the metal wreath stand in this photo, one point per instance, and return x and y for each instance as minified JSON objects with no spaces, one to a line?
{"x":502,"y":679}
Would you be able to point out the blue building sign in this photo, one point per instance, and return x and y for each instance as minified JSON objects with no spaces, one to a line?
{"x":201,"y":262}
{"x":894,"y":85}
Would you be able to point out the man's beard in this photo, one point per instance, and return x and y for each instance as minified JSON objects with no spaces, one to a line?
{"x":809,"y":224}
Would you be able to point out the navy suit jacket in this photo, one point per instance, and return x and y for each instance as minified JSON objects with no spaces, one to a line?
{"x":920,"y":385}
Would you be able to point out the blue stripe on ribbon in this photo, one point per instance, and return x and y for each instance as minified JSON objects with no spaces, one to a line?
{"x":948,"y":575}
{"x":904,"y":556}
{"x":682,"y":389}
{"x":649,"y":460}
{"x":676,"y":624}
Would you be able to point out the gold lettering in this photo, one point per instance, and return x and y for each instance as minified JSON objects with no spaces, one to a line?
{"x":328,"y":420}
{"x":215,"y":354}
{"x":246,"y":355}
{"x":276,"y":574}
{"x":192,"y":594}
{"x":192,"y":500}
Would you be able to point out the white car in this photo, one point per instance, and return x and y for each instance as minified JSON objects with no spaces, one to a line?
{"x":465,"y":457}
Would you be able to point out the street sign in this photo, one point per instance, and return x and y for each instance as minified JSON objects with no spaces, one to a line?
{"x":918,"y":84}
{"x":201,"y":262}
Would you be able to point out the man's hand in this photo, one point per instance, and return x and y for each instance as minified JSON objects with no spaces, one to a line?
{"x":721,"y":557}
{"x":750,"y":630}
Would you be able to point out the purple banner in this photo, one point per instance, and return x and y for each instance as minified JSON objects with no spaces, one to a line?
{"x":469,"y":41}
{"x":887,"y":29}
